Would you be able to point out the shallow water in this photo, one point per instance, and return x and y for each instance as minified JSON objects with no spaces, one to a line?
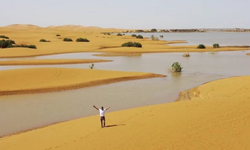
{"x":209,"y":38}
{"x":23,"y":112}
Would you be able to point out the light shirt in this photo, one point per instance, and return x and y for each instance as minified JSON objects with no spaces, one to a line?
{"x":102,"y":112}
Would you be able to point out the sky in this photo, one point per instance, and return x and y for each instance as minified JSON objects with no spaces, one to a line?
{"x":128,"y":14}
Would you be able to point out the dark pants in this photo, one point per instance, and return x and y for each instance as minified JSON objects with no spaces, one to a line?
{"x":102,"y":118}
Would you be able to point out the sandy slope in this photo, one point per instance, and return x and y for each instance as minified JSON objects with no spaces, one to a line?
{"x":29,"y":34}
{"x":36,"y":80}
{"x":217,"y":118}
{"x":50,"y":61}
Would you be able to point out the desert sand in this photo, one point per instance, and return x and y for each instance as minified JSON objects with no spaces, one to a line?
{"x":29,"y":34}
{"x":50,"y":61}
{"x":216,"y":117}
{"x":57,"y":79}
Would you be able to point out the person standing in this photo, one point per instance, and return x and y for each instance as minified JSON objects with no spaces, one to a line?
{"x":102,"y":114}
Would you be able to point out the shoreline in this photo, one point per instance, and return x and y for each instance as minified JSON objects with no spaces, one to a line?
{"x":170,"y":122}
{"x":50,"y":61}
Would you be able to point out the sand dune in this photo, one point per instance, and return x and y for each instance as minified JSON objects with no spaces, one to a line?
{"x":29,"y":34}
{"x":50,"y":61}
{"x":216,"y":118}
{"x":57,"y":79}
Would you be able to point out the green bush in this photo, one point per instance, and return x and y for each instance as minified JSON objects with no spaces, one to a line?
{"x":216,"y":45}
{"x":82,"y":40}
{"x":176,"y":67}
{"x":6,"y":43}
{"x":58,"y":35}
{"x":26,"y":46}
{"x":67,"y":40}
{"x":11,"y":43}
{"x":153,"y":30}
{"x":132,"y":44}
{"x":201,"y":46}
{"x":43,"y":40}
{"x":134,"y":35}
{"x":161,"y":36}
{"x":119,"y":34}
{"x":4,"y":37}
{"x":139,"y":37}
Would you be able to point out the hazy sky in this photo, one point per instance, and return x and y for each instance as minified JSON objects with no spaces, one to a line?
{"x":135,"y":14}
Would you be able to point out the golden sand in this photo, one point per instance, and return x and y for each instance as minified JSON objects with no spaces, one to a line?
{"x":50,"y":61}
{"x":216,"y":118}
{"x":29,"y":34}
{"x":58,"y":79}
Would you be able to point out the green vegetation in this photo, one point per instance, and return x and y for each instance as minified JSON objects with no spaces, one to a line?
{"x":58,"y":35}
{"x":119,"y":34}
{"x":216,"y":45}
{"x":6,"y":43}
{"x":82,"y":40}
{"x":10,"y":43}
{"x":153,"y":30}
{"x":161,"y":36}
{"x":139,"y":37}
{"x":133,"y":35}
{"x":201,"y":46}
{"x":4,"y":37}
{"x":43,"y":40}
{"x":132,"y":44}
{"x":67,"y":40}
{"x":26,"y":46}
{"x":154,"y":38}
{"x":176,"y":67}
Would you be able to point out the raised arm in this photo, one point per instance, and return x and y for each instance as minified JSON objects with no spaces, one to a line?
{"x":107,"y":108}
{"x":95,"y":107}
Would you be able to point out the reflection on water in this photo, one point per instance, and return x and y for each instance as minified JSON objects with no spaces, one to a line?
{"x":22,"y":112}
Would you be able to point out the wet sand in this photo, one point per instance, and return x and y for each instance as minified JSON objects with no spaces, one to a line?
{"x":216,"y":118}
{"x":40,"y":80}
{"x":51,"y":61}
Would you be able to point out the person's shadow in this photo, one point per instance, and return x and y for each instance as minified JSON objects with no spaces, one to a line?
{"x":114,"y":125}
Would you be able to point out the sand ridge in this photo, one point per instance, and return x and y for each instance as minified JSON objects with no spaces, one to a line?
{"x":50,"y":61}
{"x":39,"y":80}
{"x":215,"y":119}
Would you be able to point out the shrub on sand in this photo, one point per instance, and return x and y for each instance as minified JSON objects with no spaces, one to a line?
{"x":43,"y":40}
{"x":216,"y":45}
{"x":132,"y":44}
{"x":133,"y":35}
{"x":201,"y":46}
{"x":67,"y":40}
{"x":4,"y":37}
{"x":82,"y":40}
{"x":119,"y":34}
{"x":139,"y":37}
{"x":6,"y":43}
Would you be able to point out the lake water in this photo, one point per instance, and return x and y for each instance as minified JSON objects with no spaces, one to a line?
{"x":23,"y":112}
{"x":209,"y":38}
